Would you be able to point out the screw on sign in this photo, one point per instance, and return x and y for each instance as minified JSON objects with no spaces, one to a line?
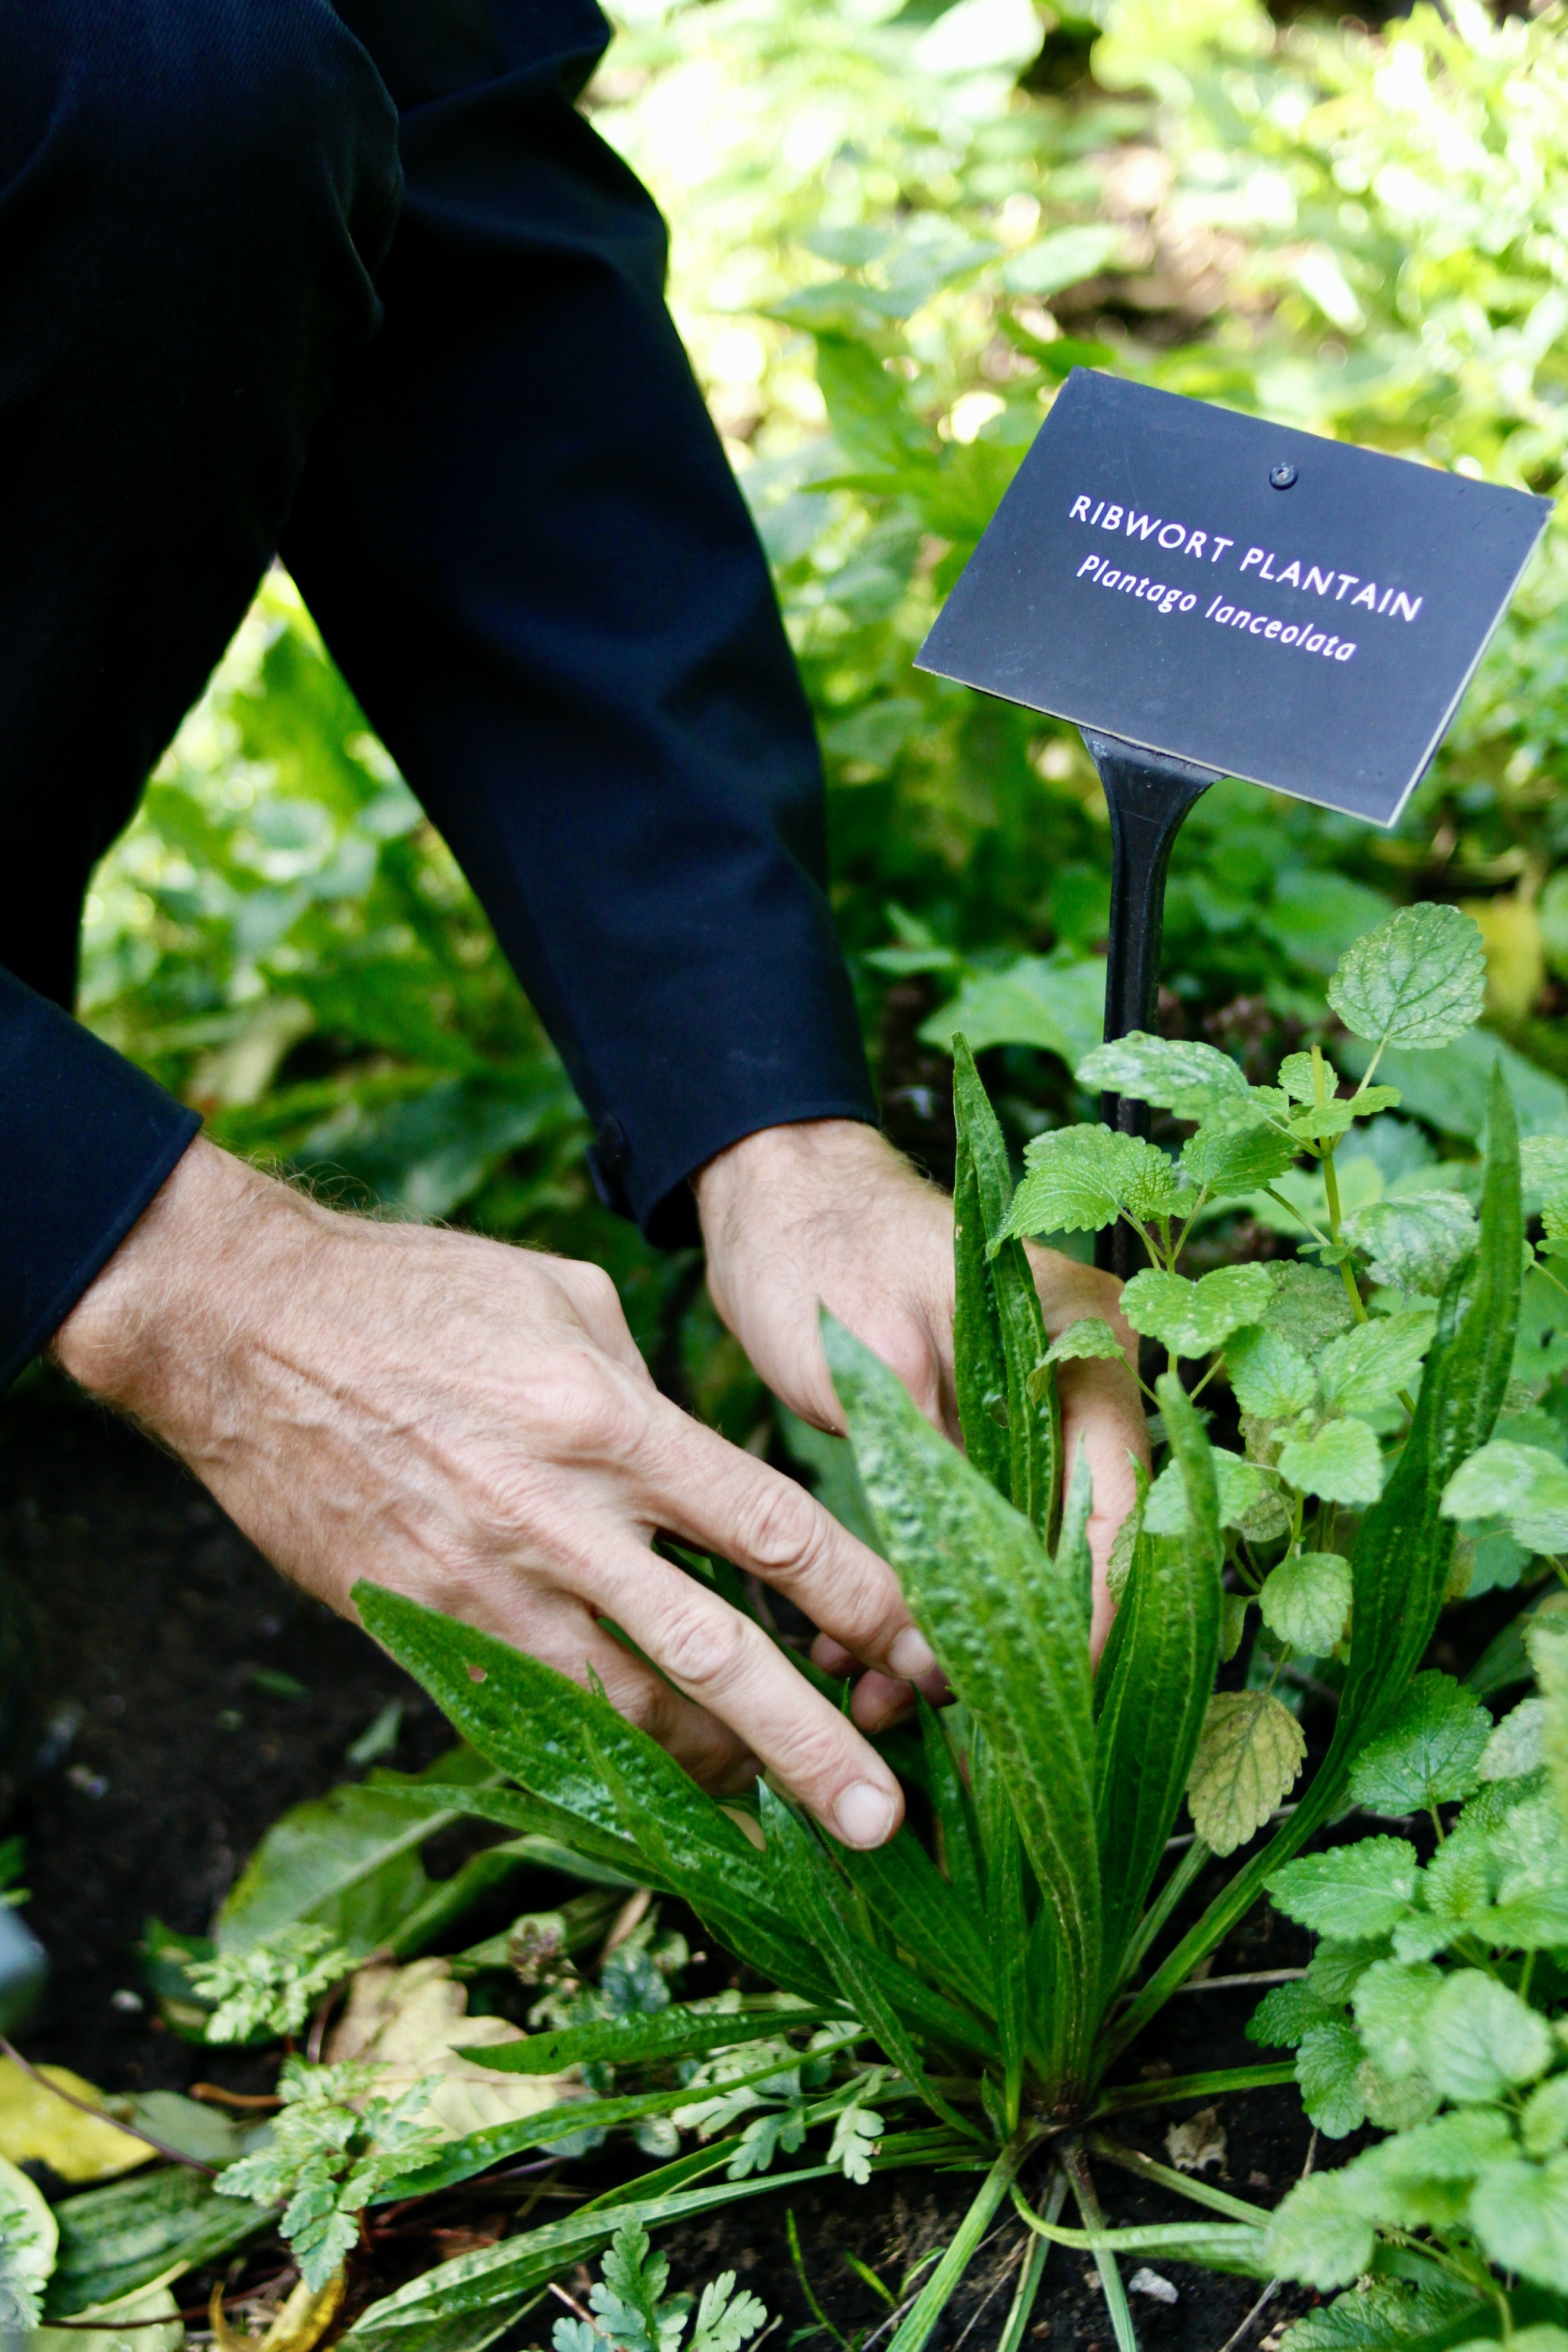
{"x":1146,"y":578}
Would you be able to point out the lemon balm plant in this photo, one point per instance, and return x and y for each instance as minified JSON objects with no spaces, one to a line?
{"x":967,"y":1999}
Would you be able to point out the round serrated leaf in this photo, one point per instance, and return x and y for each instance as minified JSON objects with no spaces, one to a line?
{"x":1521,"y":1484}
{"x":1341,"y":1464}
{"x":1418,"y":979}
{"x":1270,"y":1379}
{"x":1428,"y":1753}
{"x":1414,"y":1240}
{"x":1249,"y":1754}
{"x":1307,"y":1598}
{"x":1480,"y":2041}
{"x":1519,"y":2212}
{"x":1327,"y":2065}
{"x":1353,"y":1894}
{"x":1367,"y":1366}
{"x":1320,"y":2233}
{"x":1090,"y":1339}
{"x":1078,"y":1179}
{"x":1191,"y":1317}
{"x":1175,"y":1073}
{"x":1516,"y":1746}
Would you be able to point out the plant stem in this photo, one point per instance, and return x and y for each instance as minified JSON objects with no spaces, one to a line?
{"x":1160,"y":1910}
{"x":1196,"y":2191}
{"x":1127,"y":2096}
{"x":1077,"y":2166}
{"x":1352,"y":1288}
{"x":943,"y":2284}
{"x":1033,"y":2271}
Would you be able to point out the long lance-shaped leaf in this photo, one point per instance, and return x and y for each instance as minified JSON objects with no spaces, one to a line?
{"x":805,"y":1874}
{"x":724,"y":1903}
{"x":954,"y":1810}
{"x":1005,"y":1624}
{"x":554,"y":1737}
{"x":1007,"y":1926}
{"x":460,"y":2160}
{"x":1154,"y":1685}
{"x":476,"y":2280}
{"x":670,"y":2033}
{"x":1405,"y":1546}
{"x":1034,"y":1418}
{"x":906,"y":1893}
{"x":980,"y":1363}
{"x":560,"y":1841}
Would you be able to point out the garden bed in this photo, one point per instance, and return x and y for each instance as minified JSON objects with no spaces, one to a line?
{"x":154,"y":1616}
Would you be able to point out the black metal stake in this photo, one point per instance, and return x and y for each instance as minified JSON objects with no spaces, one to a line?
{"x":1149,"y":794}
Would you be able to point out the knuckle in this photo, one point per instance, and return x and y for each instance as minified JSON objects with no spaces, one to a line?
{"x":783,"y":1531}
{"x":705,"y":1649}
{"x":581,"y":1407}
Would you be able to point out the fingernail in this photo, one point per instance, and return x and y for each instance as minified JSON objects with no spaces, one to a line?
{"x":911,"y":1655}
{"x":864,"y":1813}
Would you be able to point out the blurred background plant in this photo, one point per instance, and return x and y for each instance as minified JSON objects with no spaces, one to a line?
{"x":896,"y":228}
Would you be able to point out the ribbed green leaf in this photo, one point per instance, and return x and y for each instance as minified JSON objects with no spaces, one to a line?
{"x":568,"y":1747}
{"x":1405,"y":1546}
{"x":1033,"y":1416}
{"x":155,"y":2226}
{"x":954,"y":1811}
{"x":1006,"y":1922}
{"x":904,"y":1889}
{"x":805,"y":1879}
{"x":1005,"y":1624}
{"x":678,"y":2032}
{"x":561,"y":1839}
{"x":979,"y":1365}
{"x":1156,"y":1677}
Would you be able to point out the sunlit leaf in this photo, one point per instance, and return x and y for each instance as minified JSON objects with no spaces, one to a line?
{"x":1417,"y":981}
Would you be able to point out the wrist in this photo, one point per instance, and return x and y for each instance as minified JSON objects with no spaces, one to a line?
{"x":801,"y":1162}
{"x":131,"y":1339}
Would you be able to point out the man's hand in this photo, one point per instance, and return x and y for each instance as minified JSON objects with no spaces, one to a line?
{"x":472,"y":1424}
{"x":829,"y":1212}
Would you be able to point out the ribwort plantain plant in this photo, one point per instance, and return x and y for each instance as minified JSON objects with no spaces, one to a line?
{"x":994,"y":1977}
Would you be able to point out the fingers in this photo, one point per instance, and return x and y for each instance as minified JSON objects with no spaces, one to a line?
{"x":728,"y":1666}
{"x":561,"y":1631}
{"x":715,"y":1496}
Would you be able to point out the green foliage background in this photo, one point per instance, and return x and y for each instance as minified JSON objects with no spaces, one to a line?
{"x":896,"y":227}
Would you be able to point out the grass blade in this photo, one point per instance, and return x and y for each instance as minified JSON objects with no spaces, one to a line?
{"x":1220,"y":2247}
{"x":1032,"y":2275}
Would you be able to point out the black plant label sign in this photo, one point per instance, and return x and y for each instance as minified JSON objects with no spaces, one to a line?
{"x":1258,"y":601}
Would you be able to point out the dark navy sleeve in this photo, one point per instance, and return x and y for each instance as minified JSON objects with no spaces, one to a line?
{"x":524,"y":544}
{"x":87,"y":1142}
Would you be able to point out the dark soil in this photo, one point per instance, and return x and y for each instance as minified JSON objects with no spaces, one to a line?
{"x":158,"y":1760}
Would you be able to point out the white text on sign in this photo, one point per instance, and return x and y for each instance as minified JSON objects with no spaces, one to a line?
{"x":1209,"y":546}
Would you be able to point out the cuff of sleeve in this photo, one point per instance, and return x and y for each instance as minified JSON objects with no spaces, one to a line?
{"x":86,"y":1141}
